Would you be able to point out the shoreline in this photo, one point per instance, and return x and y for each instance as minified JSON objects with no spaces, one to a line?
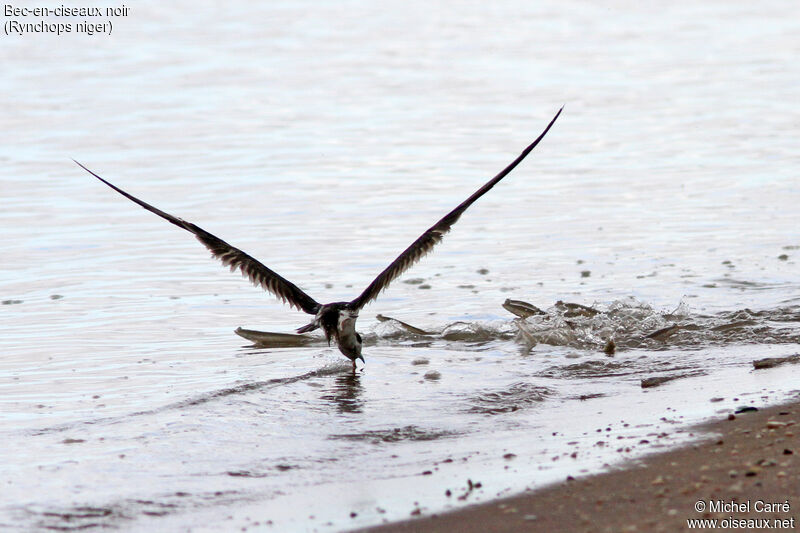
{"x":742,"y":472}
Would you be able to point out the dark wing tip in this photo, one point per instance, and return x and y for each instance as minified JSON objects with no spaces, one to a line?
{"x":95,"y":175}
{"x":433,"y":235}
{"x":83,"y":167}
{"x":231,"y":256}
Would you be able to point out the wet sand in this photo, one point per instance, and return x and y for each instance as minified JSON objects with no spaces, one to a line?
{"x":743,"y":472}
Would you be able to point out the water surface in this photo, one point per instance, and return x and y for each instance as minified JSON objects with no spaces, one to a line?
{"x":324,"y":138}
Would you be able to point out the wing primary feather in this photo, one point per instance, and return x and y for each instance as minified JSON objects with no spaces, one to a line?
{"x":232,"y":257}
{"x":434,"y":235}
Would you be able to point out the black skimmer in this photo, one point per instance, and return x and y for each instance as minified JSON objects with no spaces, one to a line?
{"x":337,"y":319}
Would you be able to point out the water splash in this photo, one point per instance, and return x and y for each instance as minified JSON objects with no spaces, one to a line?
{"x":632,"y":324}
{"x":628,"y":323}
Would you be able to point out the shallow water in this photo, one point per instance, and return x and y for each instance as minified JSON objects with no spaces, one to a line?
{"x":323,"y":140}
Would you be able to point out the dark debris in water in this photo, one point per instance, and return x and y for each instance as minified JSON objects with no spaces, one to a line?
{"x":517,"y":396}
{"x":594,"y":368}
{"x":655,"y":381}
{"x":590,"y":396}
{"x":246,"y":473}
{"x":77,"y":518}
{"x":615,"y":368}
{"x":407,"y":433}
{"x":79,"y":513}
{"x":154,"y":508}
{"x":471,"y":486}
{"x":770,"y":362}
{"x":120,"y":514}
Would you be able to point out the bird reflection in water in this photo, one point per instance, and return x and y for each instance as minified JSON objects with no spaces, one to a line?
{"x":346,"y":393}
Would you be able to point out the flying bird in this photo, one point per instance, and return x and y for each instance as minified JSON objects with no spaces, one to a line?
{"x":337,"y":319}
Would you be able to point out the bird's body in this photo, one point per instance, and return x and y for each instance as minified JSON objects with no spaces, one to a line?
{"x":338,"y":322}
{"x":337,"y":319}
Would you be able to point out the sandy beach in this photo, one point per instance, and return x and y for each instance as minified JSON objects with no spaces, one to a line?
{"x":741,"y":474}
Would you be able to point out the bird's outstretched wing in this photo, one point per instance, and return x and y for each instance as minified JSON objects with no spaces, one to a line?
{"x":425,"y":243}
{"x":232,"y":257}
